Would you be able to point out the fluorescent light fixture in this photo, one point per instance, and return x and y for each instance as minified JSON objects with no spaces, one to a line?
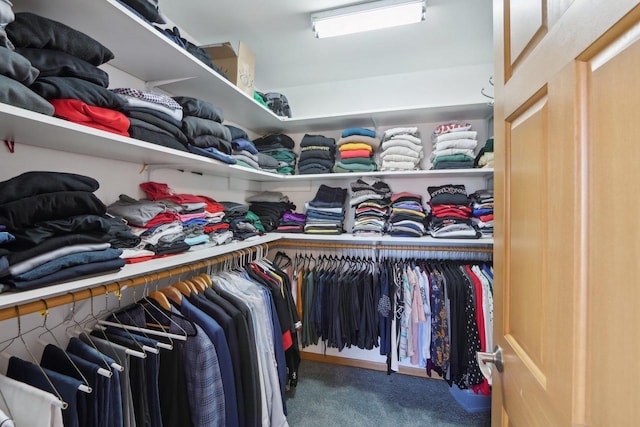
{"x":367,"y":17}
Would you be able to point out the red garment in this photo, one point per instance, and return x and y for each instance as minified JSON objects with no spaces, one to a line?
{"x":101,"y":118}
{"x":350,"y":154}
{"x":460,"y":208}
{"x":159,"y":191}
{"x":215,"y":227}
{"x":162,"y":218}
{"x":486,"y":218}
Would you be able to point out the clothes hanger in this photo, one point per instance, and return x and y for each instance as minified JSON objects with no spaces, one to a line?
{"x":101,"y":371}
{"x":82,"y":330}
{"x":185,"y":288}
{"x":168,"y":308}
{"x":118,"y":366}
{"x":127,"y":328}
{"x":172,"y":294}
{"x":131,"y":328}
{"x":64,"y":404}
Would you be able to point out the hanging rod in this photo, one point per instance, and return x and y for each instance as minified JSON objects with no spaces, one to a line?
{"x":44,"y":304}
{"x":379,"y":246}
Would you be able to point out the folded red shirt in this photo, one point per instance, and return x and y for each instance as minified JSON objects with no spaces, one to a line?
{"x":102,"y":118}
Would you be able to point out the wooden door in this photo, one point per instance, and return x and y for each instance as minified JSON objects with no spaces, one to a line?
{"x":567,"y":239}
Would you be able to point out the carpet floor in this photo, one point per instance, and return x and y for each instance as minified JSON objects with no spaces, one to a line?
{"x":332,"y":395}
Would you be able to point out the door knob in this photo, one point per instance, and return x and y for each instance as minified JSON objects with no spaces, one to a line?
{"x":495,"y":358}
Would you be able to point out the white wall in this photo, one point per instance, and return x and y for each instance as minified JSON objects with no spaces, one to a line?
{"x":432,"y":88}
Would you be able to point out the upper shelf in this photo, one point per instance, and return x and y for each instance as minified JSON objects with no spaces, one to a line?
{"x":140,"y":50}
{"x":31,"y":128}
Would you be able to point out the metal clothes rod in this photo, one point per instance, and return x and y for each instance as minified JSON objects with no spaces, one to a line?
{"x":44,"y":304}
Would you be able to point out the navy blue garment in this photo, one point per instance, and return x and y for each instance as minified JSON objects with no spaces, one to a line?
{"x":71,"y":273}
{"x":212,"y":153}
{"x":226,"y":322}
{"x":30,"y":373}
{"x":278,"y":347}
{"x":55,"y":359}
{"x":152,"y":370}
{"x":137,"y":379}
{"x":248,"y":358}
{"x":111,"y":406}
{"x":216,"y":334}
{"x":67,"y":261}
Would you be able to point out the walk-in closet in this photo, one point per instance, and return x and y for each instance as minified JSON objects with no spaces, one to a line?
{"x":222,"y":215}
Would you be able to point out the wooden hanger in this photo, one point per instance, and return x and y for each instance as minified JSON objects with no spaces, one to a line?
{"x":206,"y":279}
{"x":173,"y":294}
{"x":161,"y":299}
{"x":184,"y":287}
{"x":199,"y":283}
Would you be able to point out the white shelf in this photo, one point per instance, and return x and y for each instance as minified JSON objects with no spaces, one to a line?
{"x":441,"y":173}
{"x":388,"y":240}
{"x":145,"y":53}
{"x":131,"y":271}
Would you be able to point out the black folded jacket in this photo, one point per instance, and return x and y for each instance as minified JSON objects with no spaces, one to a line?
{"x":75,"y":88}
{"x":199,"y":108}
{"x":31,"y":30}
{"x":236,"y":132}
{"x":41,"y":231}
{"x":195,"y":126}
{"x":278,"y":140}
{"x":206,"y":141}
{"x":129,"y":110}
{"x":168,"y":126}
{"x":50,"y":245}
{"x":38,"y":182}
{"x":157,"y":138}
{"x":172,"y":133}
{"x":61,"y":64}
{"x":320,"y":140}
{"x":43,"y":207}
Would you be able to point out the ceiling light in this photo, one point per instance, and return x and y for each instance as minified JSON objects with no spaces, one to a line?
{"x":367,"y":16}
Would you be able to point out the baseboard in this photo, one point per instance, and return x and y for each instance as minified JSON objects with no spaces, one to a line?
{"x":366,"y":364}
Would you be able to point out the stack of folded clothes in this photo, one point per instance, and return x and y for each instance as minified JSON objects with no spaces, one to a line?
{"x":407,"y":216}
{"x":242,"y":222}
{"x":451,"y":213}
{"x":16,"y":72}
{"x":484,"y":158}
{"x":270,"y":206}
{"x":202,"y":124}
{"x":67,"y":61}
{"x":325,"y":213}
{"x":453,"y":146}
{"x":317,"y":154}
{"x":356,"y":148}
{"x":401,"y":149}
{"x":154,"y":117}
{"x":275,"y":153}
{"x":292,"y":222}
{"x":53,"y":230}
{"x":242,"y":149}
{"x":371,"y":198}
{"x":483,"y":211}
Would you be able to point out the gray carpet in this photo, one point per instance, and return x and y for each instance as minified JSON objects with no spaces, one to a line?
{"x":331,"y":395}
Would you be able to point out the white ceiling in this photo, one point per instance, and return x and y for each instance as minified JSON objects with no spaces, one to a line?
{"x":455,"y":33}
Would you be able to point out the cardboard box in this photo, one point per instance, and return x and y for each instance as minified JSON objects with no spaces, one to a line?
{"x":239,"y":66}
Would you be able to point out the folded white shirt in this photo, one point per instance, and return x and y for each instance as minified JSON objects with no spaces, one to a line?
{"x":456,"y":143}
{"x":451,"y":152}
{"x":413,"y":130}
{"x":463,"y":134}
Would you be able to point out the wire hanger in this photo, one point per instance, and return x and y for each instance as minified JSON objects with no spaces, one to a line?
{"x":64,"y":404}
{"x":85,"y":387}
{"x":129,"y":328}
{"x":119,"y":324}
{"x":115,"y":365}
